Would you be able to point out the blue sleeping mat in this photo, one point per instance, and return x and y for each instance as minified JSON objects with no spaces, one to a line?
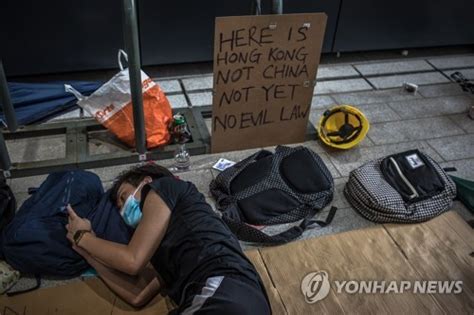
{"x":37,"y":102}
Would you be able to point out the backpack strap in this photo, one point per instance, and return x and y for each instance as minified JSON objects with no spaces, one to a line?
{"x":449,"y":169}
{"x":247,"y":233}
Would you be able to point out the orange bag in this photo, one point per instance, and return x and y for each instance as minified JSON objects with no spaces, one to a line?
{"x":111,"y":105}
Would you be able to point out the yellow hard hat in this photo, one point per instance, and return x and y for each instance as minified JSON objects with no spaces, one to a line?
{"x":343,"y":127}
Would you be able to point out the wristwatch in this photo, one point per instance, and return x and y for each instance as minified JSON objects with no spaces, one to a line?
{"x":78,"y":235}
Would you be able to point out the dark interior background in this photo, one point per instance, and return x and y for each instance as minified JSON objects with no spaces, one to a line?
{"x":41,"y":37}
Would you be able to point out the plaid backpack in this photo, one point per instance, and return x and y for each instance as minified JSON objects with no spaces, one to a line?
{"x":268,"y":189}
{"x":406,"y":187}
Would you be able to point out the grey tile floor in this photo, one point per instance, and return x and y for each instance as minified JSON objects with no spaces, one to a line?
{"x":433,"y":120}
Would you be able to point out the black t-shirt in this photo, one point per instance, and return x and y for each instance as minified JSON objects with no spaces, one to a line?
{"x":197,"y":243}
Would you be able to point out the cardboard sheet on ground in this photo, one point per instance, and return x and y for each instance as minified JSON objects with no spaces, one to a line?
{"x":264,"y":75}
{"x":440,"y":250}
{"x":90,"y":297}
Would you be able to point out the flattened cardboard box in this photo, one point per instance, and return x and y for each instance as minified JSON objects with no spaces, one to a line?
{"x":440,"y":249}
{"x":92,"y":297}
{"x":83,"y":297}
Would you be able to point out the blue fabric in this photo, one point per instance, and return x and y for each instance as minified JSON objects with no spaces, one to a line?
{"x":35,"y":102}
{"x":91,"y":272}
{"x":35,"y":240}
{"x":107,"y":222}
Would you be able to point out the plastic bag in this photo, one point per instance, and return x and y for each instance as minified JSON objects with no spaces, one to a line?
{"x":111,"y":105}
{"x":8,"y":276}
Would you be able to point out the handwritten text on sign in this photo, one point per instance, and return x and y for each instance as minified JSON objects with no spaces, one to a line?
{"x":264,"y":70}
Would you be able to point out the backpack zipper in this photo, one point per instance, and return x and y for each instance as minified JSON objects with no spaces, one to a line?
{"x":405,"y":180}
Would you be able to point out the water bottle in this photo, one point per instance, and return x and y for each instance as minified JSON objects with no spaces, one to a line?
{"x":181,"y":135}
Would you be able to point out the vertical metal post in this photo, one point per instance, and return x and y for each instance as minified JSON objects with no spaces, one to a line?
{"x":5,"y":162}
{"x":256,"y":8}
{"x":5,"y":100}
{"x":277,"y":6}
{"x":132,"y":47}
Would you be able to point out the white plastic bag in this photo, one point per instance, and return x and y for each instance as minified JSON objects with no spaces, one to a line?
{"x":111,"y":105}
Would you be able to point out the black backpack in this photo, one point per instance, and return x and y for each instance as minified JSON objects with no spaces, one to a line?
{"x":274,"y":188}
{"x":7,"y":203}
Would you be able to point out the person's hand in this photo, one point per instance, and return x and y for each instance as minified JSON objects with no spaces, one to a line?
{"x":76,"y":223}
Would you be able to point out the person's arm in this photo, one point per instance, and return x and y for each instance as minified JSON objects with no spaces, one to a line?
{"x":135,"y":290}
{"x":131,"y":258}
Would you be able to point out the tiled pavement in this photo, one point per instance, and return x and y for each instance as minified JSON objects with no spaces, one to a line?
{"x":433,"y":120}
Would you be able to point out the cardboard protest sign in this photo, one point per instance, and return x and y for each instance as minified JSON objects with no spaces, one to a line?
{"x":264,"y":75}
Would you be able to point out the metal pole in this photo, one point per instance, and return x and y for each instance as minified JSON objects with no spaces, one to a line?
{"x":277,"y":6}
{"x":8,"y":110}
{"x":5,"y":162}
{"x":132,"y":48}
{"x":256,"y":8}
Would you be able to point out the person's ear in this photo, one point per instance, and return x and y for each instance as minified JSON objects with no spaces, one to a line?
{"x":148,"y":180}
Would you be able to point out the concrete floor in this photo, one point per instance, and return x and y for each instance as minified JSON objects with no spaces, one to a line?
{"x":433,"y":120}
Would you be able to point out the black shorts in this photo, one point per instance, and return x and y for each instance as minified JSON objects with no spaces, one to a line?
{"x":230,"y":295}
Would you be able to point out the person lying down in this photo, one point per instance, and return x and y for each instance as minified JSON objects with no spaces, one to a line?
{"x":180,"y":248}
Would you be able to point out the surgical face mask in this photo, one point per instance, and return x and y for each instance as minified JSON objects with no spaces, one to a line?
{"x":131,"y":212}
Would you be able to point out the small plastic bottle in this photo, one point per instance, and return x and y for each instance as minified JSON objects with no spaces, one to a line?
{"x":181,"y":135}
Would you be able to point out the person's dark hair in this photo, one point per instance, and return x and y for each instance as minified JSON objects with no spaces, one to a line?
{"x":135,"y":176}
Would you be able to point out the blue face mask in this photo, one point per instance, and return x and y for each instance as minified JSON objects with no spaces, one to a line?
{"x":131,"y":212}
